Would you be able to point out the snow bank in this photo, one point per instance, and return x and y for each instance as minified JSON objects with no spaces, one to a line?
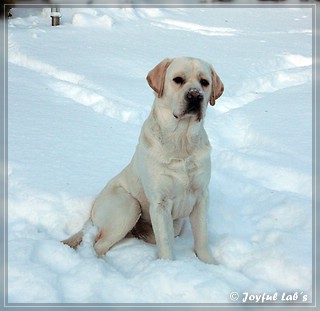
{"x":77,"y":99}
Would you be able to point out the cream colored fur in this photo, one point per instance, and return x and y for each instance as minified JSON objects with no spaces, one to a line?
{"x":168,"y":176}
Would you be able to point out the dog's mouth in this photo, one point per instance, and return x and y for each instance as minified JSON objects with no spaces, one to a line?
{"x":193,"y":108}
{"x":189,"y":112}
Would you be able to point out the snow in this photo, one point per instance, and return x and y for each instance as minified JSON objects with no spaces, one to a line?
{"x":77,"y":97}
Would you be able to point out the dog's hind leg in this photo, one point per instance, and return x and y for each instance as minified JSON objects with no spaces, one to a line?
{"x":115,"y":213}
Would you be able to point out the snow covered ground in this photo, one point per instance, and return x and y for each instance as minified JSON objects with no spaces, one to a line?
{"x":77,"y":97}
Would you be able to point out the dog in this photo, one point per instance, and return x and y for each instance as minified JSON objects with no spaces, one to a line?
{"x":168,"y":176}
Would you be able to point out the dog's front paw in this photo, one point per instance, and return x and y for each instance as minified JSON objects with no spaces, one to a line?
{"x":206,"y":257}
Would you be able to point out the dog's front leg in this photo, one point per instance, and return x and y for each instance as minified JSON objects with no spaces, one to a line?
{"x":162,"y":223}
{"x":198,"y":219}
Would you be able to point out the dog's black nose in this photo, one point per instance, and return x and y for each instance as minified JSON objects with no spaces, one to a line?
{"x":194,"y":96}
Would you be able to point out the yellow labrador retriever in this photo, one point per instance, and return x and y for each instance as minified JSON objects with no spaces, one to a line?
{"x":168,"y":176}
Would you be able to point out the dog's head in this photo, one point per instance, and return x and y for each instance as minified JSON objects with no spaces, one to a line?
{"x":187,"y":85}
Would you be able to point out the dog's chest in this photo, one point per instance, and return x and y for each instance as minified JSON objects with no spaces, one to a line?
{"x":187,"y":181}
{"x":183,"y":170}
{"x":189,"y":175}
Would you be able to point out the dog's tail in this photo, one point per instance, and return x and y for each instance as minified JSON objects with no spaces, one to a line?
{"x":75,"y":240}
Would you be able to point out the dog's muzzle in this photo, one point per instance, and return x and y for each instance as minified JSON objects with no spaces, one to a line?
{"x":193,"y":99}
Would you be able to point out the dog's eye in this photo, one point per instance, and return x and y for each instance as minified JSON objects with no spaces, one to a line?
{"x":178,"y":80}
{"x":204,"y":82}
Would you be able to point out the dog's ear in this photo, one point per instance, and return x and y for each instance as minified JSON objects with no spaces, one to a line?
{"x":156,"y":76}
{"x":217,"y":87}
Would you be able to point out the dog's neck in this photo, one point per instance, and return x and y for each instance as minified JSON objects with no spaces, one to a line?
{"x":181,"y":136}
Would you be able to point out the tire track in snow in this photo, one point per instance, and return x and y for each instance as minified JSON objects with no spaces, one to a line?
{"x":18,"y":58}
{"x":72,"y":86}
{"x":282,"y":72}
{"x":95,"y":101}
{"x":271,"y":176}
{"x":192,"y":27}
{"x":251,"y":156}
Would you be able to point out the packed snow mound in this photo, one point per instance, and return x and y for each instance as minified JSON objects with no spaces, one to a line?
{"x":77,"y":98}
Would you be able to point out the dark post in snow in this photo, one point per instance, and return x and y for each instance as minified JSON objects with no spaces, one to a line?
{"x":55,"y":15}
